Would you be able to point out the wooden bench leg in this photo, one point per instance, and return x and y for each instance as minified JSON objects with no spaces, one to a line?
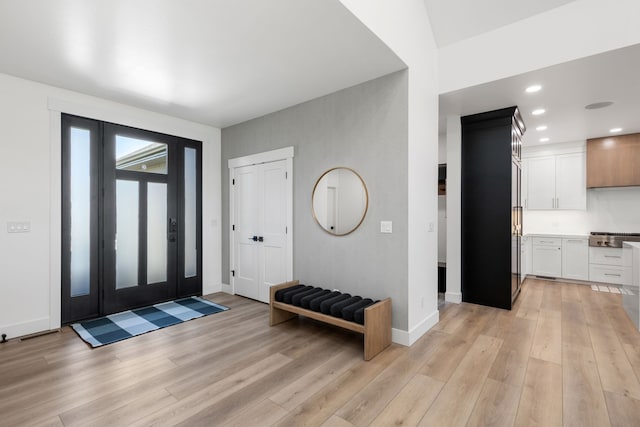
{"x":377,"y":328}
{"x":275,"y":314}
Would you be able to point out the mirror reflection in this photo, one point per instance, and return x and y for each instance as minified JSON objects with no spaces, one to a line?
{"x":340,"y":201}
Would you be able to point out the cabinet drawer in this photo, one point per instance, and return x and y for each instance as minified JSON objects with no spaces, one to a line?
{"x":547,"y":241}
{"x":609,"y":256}
{"x":610,"y":274}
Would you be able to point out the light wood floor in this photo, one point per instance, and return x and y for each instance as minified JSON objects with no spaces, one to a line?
{"x":566,"y":355}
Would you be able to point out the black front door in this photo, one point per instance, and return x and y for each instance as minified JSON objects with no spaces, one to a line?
{"x":138,"y":241}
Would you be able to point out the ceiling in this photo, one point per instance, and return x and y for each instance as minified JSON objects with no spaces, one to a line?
{"x":222,"y":62}
{"x":217,"y":62}
{"x":455,"y":20}
{"x":566,"y":89}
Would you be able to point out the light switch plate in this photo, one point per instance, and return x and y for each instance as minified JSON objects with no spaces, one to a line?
{"x":18,"y":226}
{"x":386,"y":226}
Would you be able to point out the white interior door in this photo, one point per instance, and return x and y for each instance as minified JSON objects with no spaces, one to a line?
{"x":245,"y":250}
{"x":273,"y":226}
{"x":261,"y":204}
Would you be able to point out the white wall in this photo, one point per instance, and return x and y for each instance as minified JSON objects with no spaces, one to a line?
{"x":608,"y":209}
{"x":30,"y":191}
{"x":405,"y":27}
{"x":575,"y":30}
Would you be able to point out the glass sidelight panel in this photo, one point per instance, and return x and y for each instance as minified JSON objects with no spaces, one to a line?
{"x":156,"y":232}
{"x":127,"y":236}
{"x":190,"y":217}
{"x":80,"y":221}
{"x":140,"y":155}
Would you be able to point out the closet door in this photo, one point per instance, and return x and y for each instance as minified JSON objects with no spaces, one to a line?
{"x":273,"y":227}
{"x":246,"y":231}
{"x":259,"y":228}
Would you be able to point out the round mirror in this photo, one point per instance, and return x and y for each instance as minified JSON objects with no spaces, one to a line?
{"x":339,"y":201}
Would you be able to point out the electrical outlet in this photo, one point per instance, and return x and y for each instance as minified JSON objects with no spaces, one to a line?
{"x":431,"y":227}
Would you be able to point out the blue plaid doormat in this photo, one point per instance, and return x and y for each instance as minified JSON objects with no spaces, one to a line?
{"x":120,"y":326}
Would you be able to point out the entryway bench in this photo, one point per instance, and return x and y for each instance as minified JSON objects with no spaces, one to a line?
{"x":375,"y":317}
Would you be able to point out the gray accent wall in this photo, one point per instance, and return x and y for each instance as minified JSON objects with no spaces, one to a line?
{"x":364,"y":127}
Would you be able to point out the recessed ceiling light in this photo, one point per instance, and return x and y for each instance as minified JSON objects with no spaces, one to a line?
{"x":538,"y":111}
{"x":614,"y":130}
{"x":597,"y":105}
{"x":533,"y":88}
{"x":541,"y":128}
{"x":544,"y":139}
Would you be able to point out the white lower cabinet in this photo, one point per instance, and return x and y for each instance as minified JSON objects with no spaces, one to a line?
{"x":575,"y":259}
{"x":609,"y":265}
{"x":572,"y":258}
{"x":610,"y":274}
{"x":546,"y":256}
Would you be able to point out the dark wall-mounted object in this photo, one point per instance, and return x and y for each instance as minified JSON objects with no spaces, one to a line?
{"x":442,"y":179}
{"x":491,"y":207}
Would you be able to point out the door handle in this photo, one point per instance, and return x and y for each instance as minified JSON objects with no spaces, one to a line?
{"x":254,"y":238}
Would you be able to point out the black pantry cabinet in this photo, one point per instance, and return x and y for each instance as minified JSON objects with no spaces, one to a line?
{"x":491,"y":207}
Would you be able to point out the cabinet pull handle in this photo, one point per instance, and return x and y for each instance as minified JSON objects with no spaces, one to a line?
{"x":611,"y":274}
{"x":612,"y":256}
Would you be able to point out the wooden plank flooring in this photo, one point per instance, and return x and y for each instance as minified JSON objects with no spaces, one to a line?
{"x":565,"y":355}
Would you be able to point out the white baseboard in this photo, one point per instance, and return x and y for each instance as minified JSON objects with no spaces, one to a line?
{"x":26,"y":328}
{"x":455,"y":297}
{"x":405,"y":338}
{"x":399,"y":336}
{"x":226,"y":288}
{"x":210,"y":288}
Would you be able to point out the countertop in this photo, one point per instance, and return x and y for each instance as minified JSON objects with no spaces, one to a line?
{"x":561,"y":235}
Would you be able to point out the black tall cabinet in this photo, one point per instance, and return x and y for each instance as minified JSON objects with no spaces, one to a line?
{"x":491,"y":207}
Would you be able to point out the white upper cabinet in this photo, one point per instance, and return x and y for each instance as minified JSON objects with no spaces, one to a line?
{"x":556,"y":182}
{"x":571,"y":184}
{"x":541,"y":181}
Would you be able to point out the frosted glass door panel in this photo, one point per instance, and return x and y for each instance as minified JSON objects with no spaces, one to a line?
{"x":190,"y":218}
{"x":127,"y":235}
{"x":156,"y":232}
{"x":80,"y":190}
{"x":140,"y":155}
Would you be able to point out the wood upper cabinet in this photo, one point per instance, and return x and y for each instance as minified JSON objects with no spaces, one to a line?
{"x":613,"y":161}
